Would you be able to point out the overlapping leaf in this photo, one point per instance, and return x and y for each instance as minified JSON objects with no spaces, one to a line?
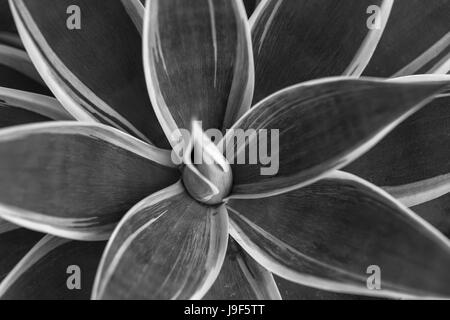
{"x":412,"y":163}
{"x":198,"y":62}
{"x":299,"y":40}
{"x":54,"y":269}
{"x":167,"y":247}
{"x":242,"y":278}
{"x":322,"y":125}
{"x":95,"y":71}
{"x":76,"y":180}
{"x":416,"y":40}
{"x":328,"y":234}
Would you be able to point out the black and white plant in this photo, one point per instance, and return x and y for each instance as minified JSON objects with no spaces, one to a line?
{"x":360,"y":158}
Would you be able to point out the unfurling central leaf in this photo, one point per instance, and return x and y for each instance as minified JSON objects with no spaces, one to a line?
{"x":207,"y":175}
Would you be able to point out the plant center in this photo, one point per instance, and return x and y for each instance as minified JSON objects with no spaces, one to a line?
{"x":208,"y":186}
{"x":207,"y":175}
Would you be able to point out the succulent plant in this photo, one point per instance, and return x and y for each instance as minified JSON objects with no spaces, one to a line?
{"x":91,"y":180}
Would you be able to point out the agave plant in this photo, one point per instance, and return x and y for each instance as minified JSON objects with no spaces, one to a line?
{"x":360,"y":158}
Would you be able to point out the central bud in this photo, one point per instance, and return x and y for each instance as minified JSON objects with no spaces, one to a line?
{"x":207,"y":174}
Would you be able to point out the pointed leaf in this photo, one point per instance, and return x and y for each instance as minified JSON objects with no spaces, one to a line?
{"x":167,"y":247}
{"x":411,"y":163}
{"x":416,"y":40}
{"x":322,"y":125}
{"x":95,"y":71}
{"x":299,"y":40}
{"x":76,"y":180}
{"x":14,"y":244}
{"x":198,"y":62}
{"x":328,"y":234}
{"x":54,"y":269}
{"x":242,"y":278}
